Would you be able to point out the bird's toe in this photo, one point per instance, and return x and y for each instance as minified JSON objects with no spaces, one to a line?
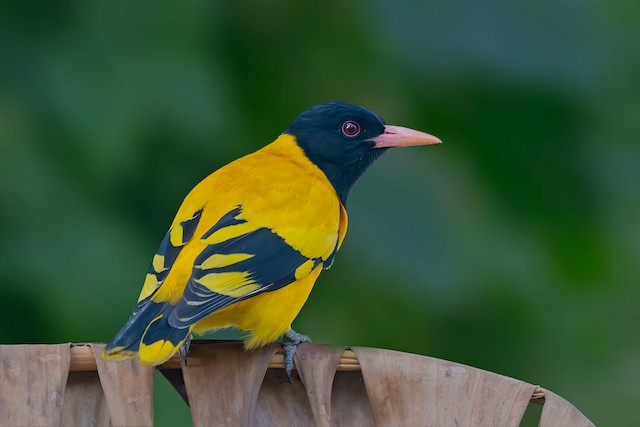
{"x":290,"y":344}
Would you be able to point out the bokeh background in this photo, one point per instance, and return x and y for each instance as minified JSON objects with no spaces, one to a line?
{"x":513,"y":247}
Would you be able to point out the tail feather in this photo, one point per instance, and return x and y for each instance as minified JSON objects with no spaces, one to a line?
{"x":147,"y":334}
{"x":126,"y":342}
{"x":161,"y":341}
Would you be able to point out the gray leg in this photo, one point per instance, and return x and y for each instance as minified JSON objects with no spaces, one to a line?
{"x":184,"y":348}
{"x":290,"y":344}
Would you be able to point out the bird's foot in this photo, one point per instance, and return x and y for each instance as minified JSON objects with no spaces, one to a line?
{"x":184,"y":348}
{"x":290,"y":345}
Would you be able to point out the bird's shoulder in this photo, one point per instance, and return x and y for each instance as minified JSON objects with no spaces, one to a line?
{"x":277,"y":188}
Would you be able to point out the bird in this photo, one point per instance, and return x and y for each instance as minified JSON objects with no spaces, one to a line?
{"x":249,"y":241}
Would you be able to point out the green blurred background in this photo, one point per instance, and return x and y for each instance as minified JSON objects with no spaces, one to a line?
{"x":513,"y":247}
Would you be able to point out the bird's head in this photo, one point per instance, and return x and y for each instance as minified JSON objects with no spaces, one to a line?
{"x":343,"y":140}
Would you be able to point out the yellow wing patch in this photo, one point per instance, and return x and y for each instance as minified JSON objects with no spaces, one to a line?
{"x":176,"y":235}
{"x":151,"y":283}
{"x":158,"y":263}
{"x":171,"y":245}
{"x":304,"y":269}
{"x":233,"y":284}
{"x":230,"y":232}
{"x":222,"y":260}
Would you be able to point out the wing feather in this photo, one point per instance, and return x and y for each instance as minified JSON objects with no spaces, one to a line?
{"x":170,"y":246}
{"x":237,"y":268}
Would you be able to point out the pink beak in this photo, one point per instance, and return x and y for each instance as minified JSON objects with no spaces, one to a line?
{"x":398,"y":136}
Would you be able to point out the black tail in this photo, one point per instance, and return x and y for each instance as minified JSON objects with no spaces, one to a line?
{"x":126,"y":343}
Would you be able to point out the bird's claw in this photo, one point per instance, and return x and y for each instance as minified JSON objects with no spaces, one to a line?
{"x":290,"y":345}
{"x":184,"y":348}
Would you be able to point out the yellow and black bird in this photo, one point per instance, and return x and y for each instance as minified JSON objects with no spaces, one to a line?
{"x":250,"y":240}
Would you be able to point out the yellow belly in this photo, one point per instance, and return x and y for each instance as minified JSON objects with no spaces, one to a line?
{"x":266,"y":316}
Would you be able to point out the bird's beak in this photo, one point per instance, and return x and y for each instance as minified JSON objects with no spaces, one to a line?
{"x":398,"y":136}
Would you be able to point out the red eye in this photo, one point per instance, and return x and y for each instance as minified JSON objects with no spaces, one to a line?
{"x":350,"y":128}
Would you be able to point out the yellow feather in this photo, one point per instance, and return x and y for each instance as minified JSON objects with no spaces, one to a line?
{"x":344,"y":223}
{"x":117,"y":354}
{"x":157,"y":353}
{"x":150,"y":284}
{"x":304,"y":269}
{"x":230,"y":232}
{"x":158,"y":263}
{"x":233,"y":284}
{"x":176,"y":234}
{"x":223,"y":260}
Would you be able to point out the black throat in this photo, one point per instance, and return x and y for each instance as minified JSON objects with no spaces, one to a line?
{"x":344,"y":174}
{"x":342,"y":156}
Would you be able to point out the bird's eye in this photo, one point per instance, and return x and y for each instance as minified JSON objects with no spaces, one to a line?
{"x":350,"y":128}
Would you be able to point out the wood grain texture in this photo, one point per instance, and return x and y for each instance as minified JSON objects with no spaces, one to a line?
{"x":223,"y":382}
{"x":33,"y":379}
{"x":281,"y":403}
{"x":84,"y":401}
{"x":407,"y":389}
{"x":350,"y":404}
{"x":128,"y":388}
{"x":316,"y":365}
{"x":557,"y":412}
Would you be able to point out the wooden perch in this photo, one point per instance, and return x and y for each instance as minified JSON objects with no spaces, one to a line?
{"x":82,"y":359}
{"x":68,"y":384}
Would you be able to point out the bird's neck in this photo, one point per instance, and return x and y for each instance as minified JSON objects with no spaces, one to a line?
{"x":345,"y":171}
{"x":343,"y":176}
{"x":286,"y":146}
